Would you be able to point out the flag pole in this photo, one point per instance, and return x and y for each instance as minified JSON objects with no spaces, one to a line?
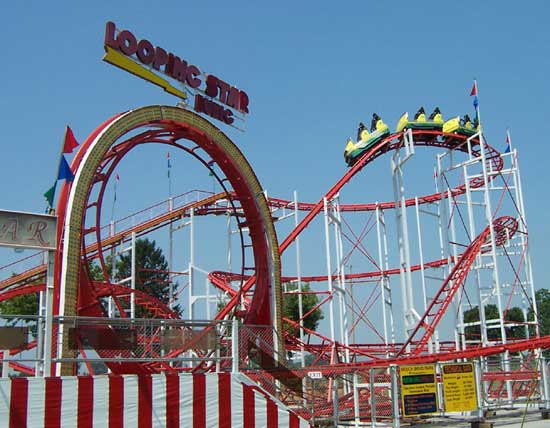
{"x":476,"y":101}
{"x":114,"y":198}
{"x":169,"y":167}
{"x":54,"y":187}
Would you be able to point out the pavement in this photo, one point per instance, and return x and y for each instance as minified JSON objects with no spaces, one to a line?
{"x":513,"y":418}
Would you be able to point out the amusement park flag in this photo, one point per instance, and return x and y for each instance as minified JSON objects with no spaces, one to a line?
{"x":169,"y":164}
{"x":64,"y":173}
{"x":507,"y":142}
{"x":117,"y":178}
{"x":63,"y":170}
{"x":70,"y":142}
{"x":211,"y":164}
{"x":49,"y":194}
{"x":473,"y":93}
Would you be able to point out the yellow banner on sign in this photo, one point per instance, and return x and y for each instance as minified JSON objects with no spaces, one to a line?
{"x":117,"y":59}
{"x":418,"y":389}
{"x":459,"y":387}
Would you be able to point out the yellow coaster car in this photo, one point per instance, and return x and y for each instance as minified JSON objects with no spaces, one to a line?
{"x":434,"y":122}
{"x":366,"y":140}
{"x":460,"y":126}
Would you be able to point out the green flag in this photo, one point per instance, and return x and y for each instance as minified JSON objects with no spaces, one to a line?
{"x":50,"y":194}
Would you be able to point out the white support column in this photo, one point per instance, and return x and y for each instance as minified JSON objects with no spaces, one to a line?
{"x":41,"y":326}
{"x":49,"y":316}
{"x":191,"y":275}
{"x":5,"y":363}
{"x":299,"y":279}
{"x":110,"y":303}
{"x":341,"y":279}
{"x":383,"y":263}
{"x":329,"y":279}
{"x":422,"y":272}
{"x":493,"y":255}
{"x":395,"y":396}
{"x":459,"y":324}
{"x":410,"y":316}
{"x":133,"y":278}
{"x":229,"y":239}
{"x":525,"y":244}
{"x":171,"y":299}
{"x":477,"y":265}
{"x":235,"y":345}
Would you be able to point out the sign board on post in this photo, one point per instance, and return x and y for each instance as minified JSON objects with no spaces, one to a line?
{"x":418,"y":389}
{"x":29,"y":230}
{"x":459,"y":387}
{"x":213,"y":96}
{"x":26,"y":230}
{"x":315,"y":375}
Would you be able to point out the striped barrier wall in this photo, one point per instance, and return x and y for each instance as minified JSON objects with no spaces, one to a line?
{"x":150,"y":401}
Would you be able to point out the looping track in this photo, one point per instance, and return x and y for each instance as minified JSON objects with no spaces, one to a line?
{"x":166,"y":125}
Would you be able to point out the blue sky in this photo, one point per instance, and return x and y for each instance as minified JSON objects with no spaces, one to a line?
{"x":312,"y":70}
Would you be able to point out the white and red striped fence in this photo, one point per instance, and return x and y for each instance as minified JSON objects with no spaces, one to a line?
{"x":169,"y":401}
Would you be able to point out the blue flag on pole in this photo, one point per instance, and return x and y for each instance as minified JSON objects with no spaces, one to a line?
{"x":507,"y":143}
{"x":473,"y":93}
{"x":65,"y":172}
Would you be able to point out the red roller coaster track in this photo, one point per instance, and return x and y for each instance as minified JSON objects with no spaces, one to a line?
{"x":170,"y":132}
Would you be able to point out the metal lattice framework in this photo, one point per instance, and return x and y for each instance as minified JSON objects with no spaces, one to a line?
{"x":476,"y":251}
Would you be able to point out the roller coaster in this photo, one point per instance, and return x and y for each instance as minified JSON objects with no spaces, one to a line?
{"x":474,"y":254}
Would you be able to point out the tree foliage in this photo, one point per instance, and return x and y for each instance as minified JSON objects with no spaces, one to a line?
{"x":309,"y":302}
{"x":514,"y":314}
{"x":152,"y":275}
{"x":20,"y":305}
{"x":542,"y":298}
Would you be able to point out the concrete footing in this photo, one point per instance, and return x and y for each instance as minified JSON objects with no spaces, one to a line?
{"x":481,"y":424}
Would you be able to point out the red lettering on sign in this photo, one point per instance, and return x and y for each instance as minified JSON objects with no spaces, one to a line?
{"x":243,"y":105}
{"x":9,"y":228}
{"x":176,"y":68}
{"x":127,"y":43}
{"x":192,"y":73}
{"x":145,"y":52}
{"x":161,"y":58}
{"x":211,"y":86}
{"x":203,"y":105}
{"x":180,"y":70}
{"x":110,"y":39}
{"x":36,"y":228}
{"x":233,"y":98}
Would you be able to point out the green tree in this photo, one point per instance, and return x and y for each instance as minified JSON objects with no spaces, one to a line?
{"x":514,"y":315}
{"x":20,"y":305}
{"x":26,"y":304}
{"x":291,"y":308}
{"x":151,"y":273}
{"x":542,"y":298}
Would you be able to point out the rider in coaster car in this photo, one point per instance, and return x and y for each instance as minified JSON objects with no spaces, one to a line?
{"x":362,"y":127}
{"x":420,"y":115}
{"x":436,"y":116}
{"x":377,"y":124}
{"x":373,"y":122}
{"x":466,"y":122}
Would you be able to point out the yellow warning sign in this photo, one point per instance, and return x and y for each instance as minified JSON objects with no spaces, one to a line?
{"x":418,"y":389}
{"x":459,"y":387}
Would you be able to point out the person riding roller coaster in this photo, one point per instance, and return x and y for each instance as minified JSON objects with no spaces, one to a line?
{"x":434,"y":121}
{"x":365,"y":140}
{"x":462,"y":125}
{"x":362,"y":127}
